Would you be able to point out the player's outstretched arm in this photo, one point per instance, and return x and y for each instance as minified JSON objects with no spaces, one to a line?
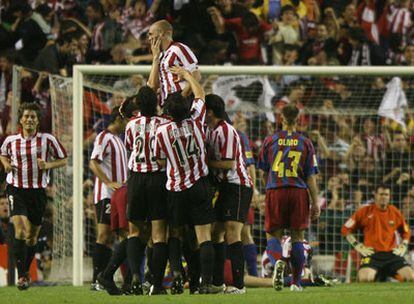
{"x":196,"y":87}
{"x":187,"y":89}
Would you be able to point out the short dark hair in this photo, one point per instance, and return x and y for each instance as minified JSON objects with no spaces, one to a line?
{"x":43,"y":10}
{"x":147,"y":101}
{"x":216,"y":104}
{"x":115,"y":114}
{"x":28,"y":106}
{"x":66,"y":38}
{"x":287,"y":8}
{"x":290,"y":114}
{"x":382,"y":186}
{"x":128,"y":107}
{"x":97,"y":6}
{"x":177,"y":106}
{"x":249,"y":20}
{"x":20,"y":6}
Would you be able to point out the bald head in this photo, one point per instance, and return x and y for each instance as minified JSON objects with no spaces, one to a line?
{"x":160,"y":30}
{"x":163,"y":27}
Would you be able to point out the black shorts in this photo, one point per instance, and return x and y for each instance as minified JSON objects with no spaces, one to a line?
{"x":103,"y":211}
{"x":28,"y":202}
{"x":233,"y":202}
{"x":192,"y":206}
{"x":386,"y":263}
{"x":147,"y":196}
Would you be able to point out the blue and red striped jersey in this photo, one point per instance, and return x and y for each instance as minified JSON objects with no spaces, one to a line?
{"x":289,"y":159}
{"x":247,"y":151}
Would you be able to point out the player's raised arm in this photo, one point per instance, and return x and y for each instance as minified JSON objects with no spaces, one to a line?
{"x":153,"y":78}
{"x":196,"y":87}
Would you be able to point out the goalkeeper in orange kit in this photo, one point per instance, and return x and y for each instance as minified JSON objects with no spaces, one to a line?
{"x":381,"y":253}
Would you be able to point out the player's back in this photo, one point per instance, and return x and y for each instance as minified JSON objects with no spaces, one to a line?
{"x":177,"y":54}
{"x":185,"y":152}
{"x":289,"y":158}
{"x":140,"y":138}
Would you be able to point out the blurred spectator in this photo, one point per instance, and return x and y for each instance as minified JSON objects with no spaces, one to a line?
{"x":397,"y":163}
{"x":250,"y":34}
{"x":136,"y":20}
{"x":29,"y":37}
{"x":118,"y":55}
{"x":6,"y":69}
{"x":300,"y":7}
{"x":320,"y":43}
{"x":43,"y":16}
{"x":400,"y":19}
{"x":364,"y":52}
{"x":332,"y":23}
{"x":407,"y":57}
{"x":294,"y":96}
{"x":106,"y":33}
{"x":285,"y":32}
{"x":58,"y":57}
{"x":373,"y":142}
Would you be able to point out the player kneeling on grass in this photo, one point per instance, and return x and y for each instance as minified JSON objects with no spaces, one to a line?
{"x":235,"y":193}
{"x":27,"y":158}
{"x":307,"y":277}
{"x":108,"y":164}
{"x":381,"y":253}
{"x":289,"y":164}
{"x":179,"y":146}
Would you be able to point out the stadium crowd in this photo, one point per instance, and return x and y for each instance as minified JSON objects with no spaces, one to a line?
{"x":355,"y":153}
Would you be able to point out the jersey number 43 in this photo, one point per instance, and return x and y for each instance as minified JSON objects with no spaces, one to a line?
{"x":280,"y":167}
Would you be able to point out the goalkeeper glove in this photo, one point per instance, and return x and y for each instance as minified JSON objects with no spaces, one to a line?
{"x":361,"y":248}
{"x":364,"y":250}
{"x":401,"y":249}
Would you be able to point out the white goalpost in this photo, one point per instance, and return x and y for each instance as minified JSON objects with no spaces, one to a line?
{"x":80,"y":72}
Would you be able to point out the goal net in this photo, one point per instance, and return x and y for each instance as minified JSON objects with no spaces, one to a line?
{"x":361,"y":126}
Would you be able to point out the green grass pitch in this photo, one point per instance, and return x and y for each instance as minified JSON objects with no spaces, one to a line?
{"x":387,"y":293}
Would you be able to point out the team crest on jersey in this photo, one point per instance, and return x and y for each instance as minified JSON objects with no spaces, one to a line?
{"x":365,"y":260}
{"x":349,"y":223}
{"x":391,"y":223}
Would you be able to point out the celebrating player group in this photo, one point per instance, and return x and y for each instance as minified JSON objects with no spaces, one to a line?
{"x":183,"y":152}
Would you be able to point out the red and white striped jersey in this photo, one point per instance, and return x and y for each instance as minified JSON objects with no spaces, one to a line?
{"x":400,"y":21}
{"x":223,"y":143}
{"x":176,"y":54}
{"x":139,"y":139}
{"x":182,"y":145}
{"x":97,"y":43}
{"x":110,"y":151}
{"x":23,"y":154}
